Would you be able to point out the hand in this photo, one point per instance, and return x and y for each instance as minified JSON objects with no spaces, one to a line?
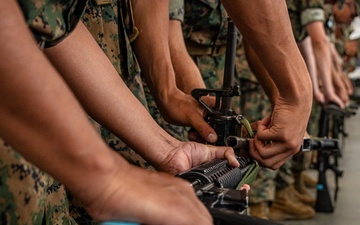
{"x":148,"y":198}
{"x":319,"y":97}
{"x":335,"y":99}
{"x":182,"y":109}
{"x":189,"y":154}
{"x":279,"y":137}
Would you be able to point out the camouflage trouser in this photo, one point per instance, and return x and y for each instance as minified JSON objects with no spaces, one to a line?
{"x":28,"y":195}
{"x":313,"y":125}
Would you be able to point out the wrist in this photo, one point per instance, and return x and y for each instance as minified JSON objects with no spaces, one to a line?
{"x":94,"y":173}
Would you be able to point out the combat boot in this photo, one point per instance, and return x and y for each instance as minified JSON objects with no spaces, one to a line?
{"x":260,"y":210}
{"x":288,"y":206}
{"x":301,"y":191}
{"x":309,"y":182}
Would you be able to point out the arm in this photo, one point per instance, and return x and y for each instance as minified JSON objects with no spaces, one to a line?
{"x":261,"y":74}
{"x":321,"y":49}
{"x":338,"y":69}
{"x":42,"y":120}
{"x":307,"y":52}
{"x":153,"y":53}
{"x":187,"y":73}
{"x":266,"y":27}
{"x":106,"y":98}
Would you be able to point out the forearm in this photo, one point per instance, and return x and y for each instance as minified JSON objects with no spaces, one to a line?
{"x":261,"y":74}
{"x":40,"y":117}
{"x":105,"y":97}
{"x":335,"y":58}
{"x":188,"y":75}
{"x":152,"y":48}
{"x":306,"y":50}
{"x":269,"y":33}
{"x":323,"y":60}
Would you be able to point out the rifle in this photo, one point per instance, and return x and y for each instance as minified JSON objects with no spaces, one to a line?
{"x":215,"y":183}
{"x":327,"y":159}
{"x":222,"y":118}
{"x":226,"y":122}
{"x":309,"y":144}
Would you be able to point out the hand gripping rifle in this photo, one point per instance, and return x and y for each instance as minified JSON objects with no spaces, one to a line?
{"x":217,"y":185}
{"x":222,"y":117}
{"x":226,"y":122}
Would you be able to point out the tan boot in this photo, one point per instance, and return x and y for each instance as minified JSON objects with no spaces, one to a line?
{"x":300,"y":189}
{"x":288,"y":206}
{"x":309,"y":182}
{"x":259,"y":210}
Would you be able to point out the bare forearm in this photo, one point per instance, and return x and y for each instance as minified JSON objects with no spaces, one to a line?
{"x":105,"y":96}
{"x":307,"y":52}
{"x":188,"y":75}
{"x":152,"y":47}
{"x":268,"y":31}
{"x":39,"y":115}
{"x":261,"y":74}
{"x":323,"y":60}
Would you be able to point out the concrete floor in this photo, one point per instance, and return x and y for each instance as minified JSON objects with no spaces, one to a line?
{"x":347,"y":207}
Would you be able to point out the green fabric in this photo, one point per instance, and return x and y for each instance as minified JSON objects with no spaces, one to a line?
{"x":250,"y":175}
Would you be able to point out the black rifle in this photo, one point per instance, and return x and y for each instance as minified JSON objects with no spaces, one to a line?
{"x":215,"y":185}
{"x":309,"y":144}
{"x":222,"y":118}
{"x":328,"y":127}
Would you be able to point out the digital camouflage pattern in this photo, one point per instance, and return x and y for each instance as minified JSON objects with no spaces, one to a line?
{"x":52,"y":20}
{"x":206,"y":25}
{"x":27,"y":194}
{"x":303,"y":12}
{"x":204,"y":30}
{"x":176,"y":10}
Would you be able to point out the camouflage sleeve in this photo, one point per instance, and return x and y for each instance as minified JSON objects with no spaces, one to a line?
{"x":311,"y":15}
{"x":176,"y":10}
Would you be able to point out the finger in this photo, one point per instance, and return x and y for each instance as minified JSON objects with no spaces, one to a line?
{"x":225,"y":153}
{"x":273,"y":162}
{"x":264,"y":132}
{"x":245,"y":187}
{"x":204,"y":129}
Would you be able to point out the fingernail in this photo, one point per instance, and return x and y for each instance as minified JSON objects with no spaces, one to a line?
{"x":211,"y":138}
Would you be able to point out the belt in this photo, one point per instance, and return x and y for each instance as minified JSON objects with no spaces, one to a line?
{"x":196,"y":49}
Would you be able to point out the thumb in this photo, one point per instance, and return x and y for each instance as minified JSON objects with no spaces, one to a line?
{"x":204,"y":129}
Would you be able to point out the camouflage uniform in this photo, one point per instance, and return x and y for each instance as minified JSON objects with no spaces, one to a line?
{"x":204,"y":29}
{"x":28,"y":195}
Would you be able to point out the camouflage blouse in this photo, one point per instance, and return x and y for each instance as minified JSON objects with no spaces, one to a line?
{"x":52,"y":20}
